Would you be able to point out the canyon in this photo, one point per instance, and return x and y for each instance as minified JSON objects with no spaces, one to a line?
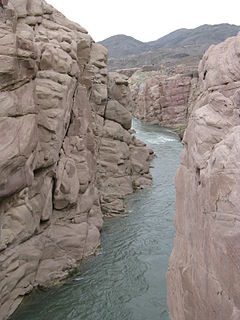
{"x":164,"y":73}
{"x":163,"y":99}
{"x":203,"y":277}
{"x":68,"y":155}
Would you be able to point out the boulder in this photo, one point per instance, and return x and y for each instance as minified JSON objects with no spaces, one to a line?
{"x":116,"y":112}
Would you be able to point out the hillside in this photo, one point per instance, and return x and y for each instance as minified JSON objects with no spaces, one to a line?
{"x":181,"y":46}
{"x":121,"y":45}
{"x":204,"y":35}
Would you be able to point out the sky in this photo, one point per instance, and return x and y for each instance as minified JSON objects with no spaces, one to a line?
{"x":146,"y":20}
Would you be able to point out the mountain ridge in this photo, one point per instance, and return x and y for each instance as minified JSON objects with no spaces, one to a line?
{"x":126,"y":51}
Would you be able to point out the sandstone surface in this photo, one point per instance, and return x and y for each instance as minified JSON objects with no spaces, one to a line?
{"x":203,"y":278}
{"x":66,"y":152}
{"x":163,"y":99}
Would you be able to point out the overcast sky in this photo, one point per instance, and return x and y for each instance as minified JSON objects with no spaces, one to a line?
{"x":146,"y":20}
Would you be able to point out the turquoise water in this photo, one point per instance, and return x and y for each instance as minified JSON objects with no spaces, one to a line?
{"x":126,"y":280}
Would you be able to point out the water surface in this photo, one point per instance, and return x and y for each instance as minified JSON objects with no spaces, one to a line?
{"x":126,"y":280}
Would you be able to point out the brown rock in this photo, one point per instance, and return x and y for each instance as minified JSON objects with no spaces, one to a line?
{"x":164,"y":100}
{"x":17,"y":153}
{"x":203,"y":277}
{"x":67,"y":186}
{"x":62,"y":162}
{"x":119,"y":89}
{"x":4,"y":3}
{"x":116,"y":112}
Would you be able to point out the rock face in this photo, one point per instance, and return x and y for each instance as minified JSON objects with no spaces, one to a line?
{"x":67,"y":154}
{"x":123,"y":160}
{"x":123,"y":166}
{"x":164,"y":100}
{"x":203,"y":277}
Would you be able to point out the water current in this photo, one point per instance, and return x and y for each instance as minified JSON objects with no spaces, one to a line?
{"x":126,"y":280}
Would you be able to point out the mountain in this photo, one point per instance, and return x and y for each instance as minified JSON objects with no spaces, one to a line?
{"x":121,"y":45}
{"x":182,"y":44}
{"x":204,"y":35}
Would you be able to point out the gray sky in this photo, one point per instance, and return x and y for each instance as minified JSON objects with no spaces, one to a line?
{"x":146,"y":20}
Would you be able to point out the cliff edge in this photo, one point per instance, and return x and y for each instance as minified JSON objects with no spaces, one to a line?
{"x":203,"y":278}
{"x":67,"y":154}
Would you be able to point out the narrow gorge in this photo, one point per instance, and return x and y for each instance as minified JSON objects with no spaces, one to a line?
{"x":127,"y":277}
{"x":164,"y":99}
{"x":87,"y":192}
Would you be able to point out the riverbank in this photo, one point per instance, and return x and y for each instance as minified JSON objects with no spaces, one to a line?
{"x":126,"y":280}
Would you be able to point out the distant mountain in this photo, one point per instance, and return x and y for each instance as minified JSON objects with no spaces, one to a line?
{"x":120,"y":45}
{"x":204,"y":35}
{"x":182,"y":44}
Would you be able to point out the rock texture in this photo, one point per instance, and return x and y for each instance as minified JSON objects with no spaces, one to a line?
{"x":162,"y":99}
{"x":123,"y":164}
{"x":66,"y":152}
{"x":203,"y":277}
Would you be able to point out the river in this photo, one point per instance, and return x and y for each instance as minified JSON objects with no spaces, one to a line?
{"x":127,"y":279}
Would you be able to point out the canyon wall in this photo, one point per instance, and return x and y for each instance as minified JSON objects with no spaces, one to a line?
{"x":163,"y":99}
{"x":67,"y":152}
{"x":203,"y":278}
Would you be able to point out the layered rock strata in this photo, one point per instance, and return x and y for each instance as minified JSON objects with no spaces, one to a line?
{"x":67,"y":154}
{"x":203,"y":277}
{"x":123,"y":164}
{"x":164,"y":100}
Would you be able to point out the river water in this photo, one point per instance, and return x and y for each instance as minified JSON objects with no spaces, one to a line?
{"x":126,"y":280}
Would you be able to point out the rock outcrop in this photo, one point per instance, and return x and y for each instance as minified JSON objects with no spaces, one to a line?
{"x":164,"y":100}
{"x":123,"y":160}
{"x":203,"y":277}
{"x":67,"y":154}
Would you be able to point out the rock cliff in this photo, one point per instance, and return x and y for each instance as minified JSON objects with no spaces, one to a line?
{"x":67,"y":154}
{"x":163,"y":99}
{"x":203,"y":277}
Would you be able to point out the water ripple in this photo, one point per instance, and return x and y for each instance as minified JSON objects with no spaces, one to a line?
{"x":126,"y":280}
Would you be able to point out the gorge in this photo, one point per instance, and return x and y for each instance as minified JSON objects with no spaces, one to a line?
{"x":163,"y":99}
{"x":126,"y":279}
{"x":70,"y":157}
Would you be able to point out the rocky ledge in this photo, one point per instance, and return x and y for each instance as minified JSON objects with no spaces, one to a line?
{"x":203,"y":277}
{"x":67,"y":152}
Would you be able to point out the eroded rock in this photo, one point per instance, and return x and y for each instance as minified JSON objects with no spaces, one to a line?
{"x":203,"y":277}
{"x":163,"y":99}
{"x":67,"y":154}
